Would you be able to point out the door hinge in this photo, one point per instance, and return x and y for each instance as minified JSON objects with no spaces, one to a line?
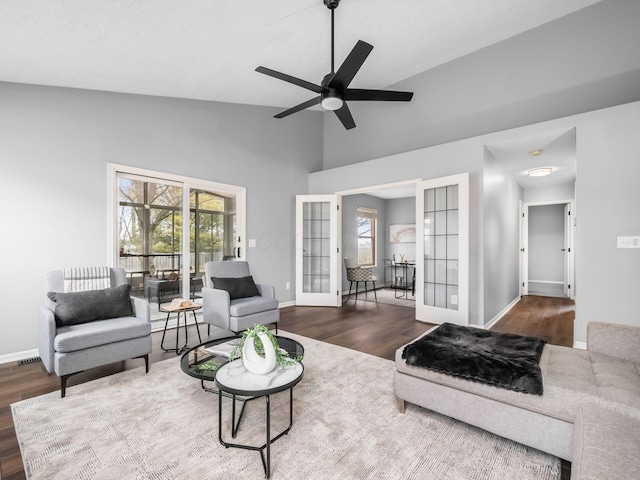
{"x":338,"y":292}
{"x":338,"y":249}
{"x":568,"y":286}
{"x":338,"y":207}
{"x":523,"y":284}
{"x":569,"y":249}
{"x":522,"y":214}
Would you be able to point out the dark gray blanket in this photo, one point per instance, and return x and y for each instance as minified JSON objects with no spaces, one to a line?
{"x":502,"y":359}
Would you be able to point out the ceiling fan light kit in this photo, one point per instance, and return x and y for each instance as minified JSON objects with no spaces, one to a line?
{"x":333,"y":92}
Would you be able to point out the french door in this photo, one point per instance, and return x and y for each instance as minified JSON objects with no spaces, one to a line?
{"x":442,"y":250}
{"x":318,"y":275}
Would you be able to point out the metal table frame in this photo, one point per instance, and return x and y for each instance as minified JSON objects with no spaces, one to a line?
{"x":266,"y":460}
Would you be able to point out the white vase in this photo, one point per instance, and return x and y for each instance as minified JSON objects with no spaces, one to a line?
{"x":254,"y":362}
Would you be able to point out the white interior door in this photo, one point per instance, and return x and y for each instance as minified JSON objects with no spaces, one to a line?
{"x":318,"y":275}
{"x":569,"y":286}
{"x":442,"y":250}
{"x":524,"y":249}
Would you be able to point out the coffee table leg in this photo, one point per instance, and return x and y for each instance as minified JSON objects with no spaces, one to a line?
{"x":268,"y":436}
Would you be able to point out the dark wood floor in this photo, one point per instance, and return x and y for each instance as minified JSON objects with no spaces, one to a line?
{"x":374,"y":328}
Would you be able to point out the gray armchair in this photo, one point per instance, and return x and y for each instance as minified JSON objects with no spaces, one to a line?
{"x":236,"y":314}
{"x":67,"y":348}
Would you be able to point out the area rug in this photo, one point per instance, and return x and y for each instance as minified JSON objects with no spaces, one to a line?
{"x":388,"y":295}
{"x":162,"y":425}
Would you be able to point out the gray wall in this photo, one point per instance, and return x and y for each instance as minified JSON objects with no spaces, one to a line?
{"x":428,"y":163}
{"x":501,"y":222}
{"x":552,"y":71}
{"x":607,"y":146}
{"x":400,"y":211}
{"x":350,"y":204}
{"x":549,"y":194}
{"x":54,"y":148}
{"x":546,"y":241}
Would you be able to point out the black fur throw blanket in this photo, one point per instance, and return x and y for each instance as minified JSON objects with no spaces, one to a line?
{"x":501,"y":359}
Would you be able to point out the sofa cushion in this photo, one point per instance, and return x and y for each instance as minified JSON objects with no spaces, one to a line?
{"x":75,"y":308}
{"x":100,"y":332}
{"x":248,"y":306}
{"x":240,"y":287}
{"x":617,"y":380}
{"x":605,"y":444}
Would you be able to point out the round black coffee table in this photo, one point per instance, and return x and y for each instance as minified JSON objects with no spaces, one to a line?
{"x":208,"y":363}
{"x":202,"y":361}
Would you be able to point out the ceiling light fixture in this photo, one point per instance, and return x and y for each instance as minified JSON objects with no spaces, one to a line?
{"x":540,"y":172}
{"x":332,"y":101}
{"x":535,"y":153}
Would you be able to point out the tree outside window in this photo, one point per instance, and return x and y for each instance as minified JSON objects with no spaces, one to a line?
{"x":367,"y":237}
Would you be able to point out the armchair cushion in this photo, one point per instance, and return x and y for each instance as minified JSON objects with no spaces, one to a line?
{"x":75,"y":308}
{"x":248,"y":306}
{"x":240,"y":287}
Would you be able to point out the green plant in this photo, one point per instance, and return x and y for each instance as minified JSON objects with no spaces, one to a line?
{"x":282,"y":356}
{"x":211,"y":365}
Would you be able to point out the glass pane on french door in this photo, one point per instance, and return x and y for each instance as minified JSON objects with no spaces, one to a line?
{"x":316,"y":257}
{"x":442,"y":208}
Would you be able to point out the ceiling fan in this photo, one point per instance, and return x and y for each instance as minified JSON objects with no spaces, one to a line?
{"x":334,"y":89}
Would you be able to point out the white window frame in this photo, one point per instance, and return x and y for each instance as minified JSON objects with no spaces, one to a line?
{"x":371,"y":213}
{"x":187,"y":183}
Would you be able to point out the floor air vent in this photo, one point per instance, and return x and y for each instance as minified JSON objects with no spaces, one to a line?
{"x":29,"y":360}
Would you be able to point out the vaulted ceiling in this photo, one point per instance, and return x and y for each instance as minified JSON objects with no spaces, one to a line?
{"x":209,"y":49}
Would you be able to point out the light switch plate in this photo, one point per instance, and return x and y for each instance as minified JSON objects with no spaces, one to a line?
{"x":629,"y":242}
{"x":252,"y":243}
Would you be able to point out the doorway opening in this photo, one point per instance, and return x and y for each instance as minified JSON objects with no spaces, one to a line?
{"x":547,"y":267}
{"x":394,"y":240}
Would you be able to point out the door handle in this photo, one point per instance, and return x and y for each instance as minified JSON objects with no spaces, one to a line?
{"x":563,"y":249}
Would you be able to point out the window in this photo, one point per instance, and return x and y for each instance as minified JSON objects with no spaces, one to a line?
{"x":367,"y":237}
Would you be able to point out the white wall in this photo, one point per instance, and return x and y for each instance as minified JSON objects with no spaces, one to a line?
{"x":55,"y":145}
{"x":546,"y":241}
{"x":501,"y":221}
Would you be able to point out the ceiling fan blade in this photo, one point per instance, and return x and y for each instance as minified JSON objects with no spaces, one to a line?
{"x":288,"y":78}
{"x":377,"y":95}
{"x":302,"y":106}
{"x":350,"y":66}
{"x":344,"y":114}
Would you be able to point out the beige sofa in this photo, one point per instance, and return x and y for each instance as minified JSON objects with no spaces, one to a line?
{"x":579,"y":386}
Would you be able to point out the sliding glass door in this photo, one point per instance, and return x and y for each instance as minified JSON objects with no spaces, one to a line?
{"x":163,"y":255}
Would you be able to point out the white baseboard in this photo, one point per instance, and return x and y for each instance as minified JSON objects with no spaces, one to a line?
{"x":17,"y":356}
{"x":580,"y":345}
{"x":291,"y":303}
{"x":501,"y":314}
{"x":549,"y":282}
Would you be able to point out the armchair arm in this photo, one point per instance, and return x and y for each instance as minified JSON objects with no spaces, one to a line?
{"x":47,"y":328}
{"x":620,"y":341}
{"x":215,"y":307}
{"x":267,"y":291}
{"x":141,"y":308}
